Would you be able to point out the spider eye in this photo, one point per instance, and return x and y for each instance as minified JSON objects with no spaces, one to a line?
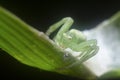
{"x":67,"y":36}
{"x":77,"y":35}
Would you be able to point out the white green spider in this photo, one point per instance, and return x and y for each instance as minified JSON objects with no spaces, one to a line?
{"x":73,"y":40}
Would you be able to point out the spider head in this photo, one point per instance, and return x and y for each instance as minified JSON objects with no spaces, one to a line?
{"x":71,"y":38}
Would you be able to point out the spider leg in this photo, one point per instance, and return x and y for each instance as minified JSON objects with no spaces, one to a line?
{"x":82,"y":45}
{"x":65,"y":24}
{"x":88,"y":53}
{"x":88,"y":50}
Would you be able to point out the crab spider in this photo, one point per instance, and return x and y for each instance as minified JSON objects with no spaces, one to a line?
{"x":73,"y":41}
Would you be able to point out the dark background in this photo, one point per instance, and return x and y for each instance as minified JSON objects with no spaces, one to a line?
{"x":41,"y":14}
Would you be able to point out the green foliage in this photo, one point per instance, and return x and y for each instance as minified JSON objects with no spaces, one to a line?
{"x":34,"y":48}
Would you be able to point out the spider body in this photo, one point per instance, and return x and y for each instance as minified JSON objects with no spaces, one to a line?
{"x":73,"y":40}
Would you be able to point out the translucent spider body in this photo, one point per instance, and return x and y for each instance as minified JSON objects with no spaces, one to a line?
{"x":73,"y":40}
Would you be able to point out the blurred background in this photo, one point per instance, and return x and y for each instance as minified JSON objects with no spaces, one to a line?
{"x":42,"y":14}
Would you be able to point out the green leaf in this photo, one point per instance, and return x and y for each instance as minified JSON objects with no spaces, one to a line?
{"x":34,"y":48}
{"x":111,"y":75}
{"x":108,"y":36}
